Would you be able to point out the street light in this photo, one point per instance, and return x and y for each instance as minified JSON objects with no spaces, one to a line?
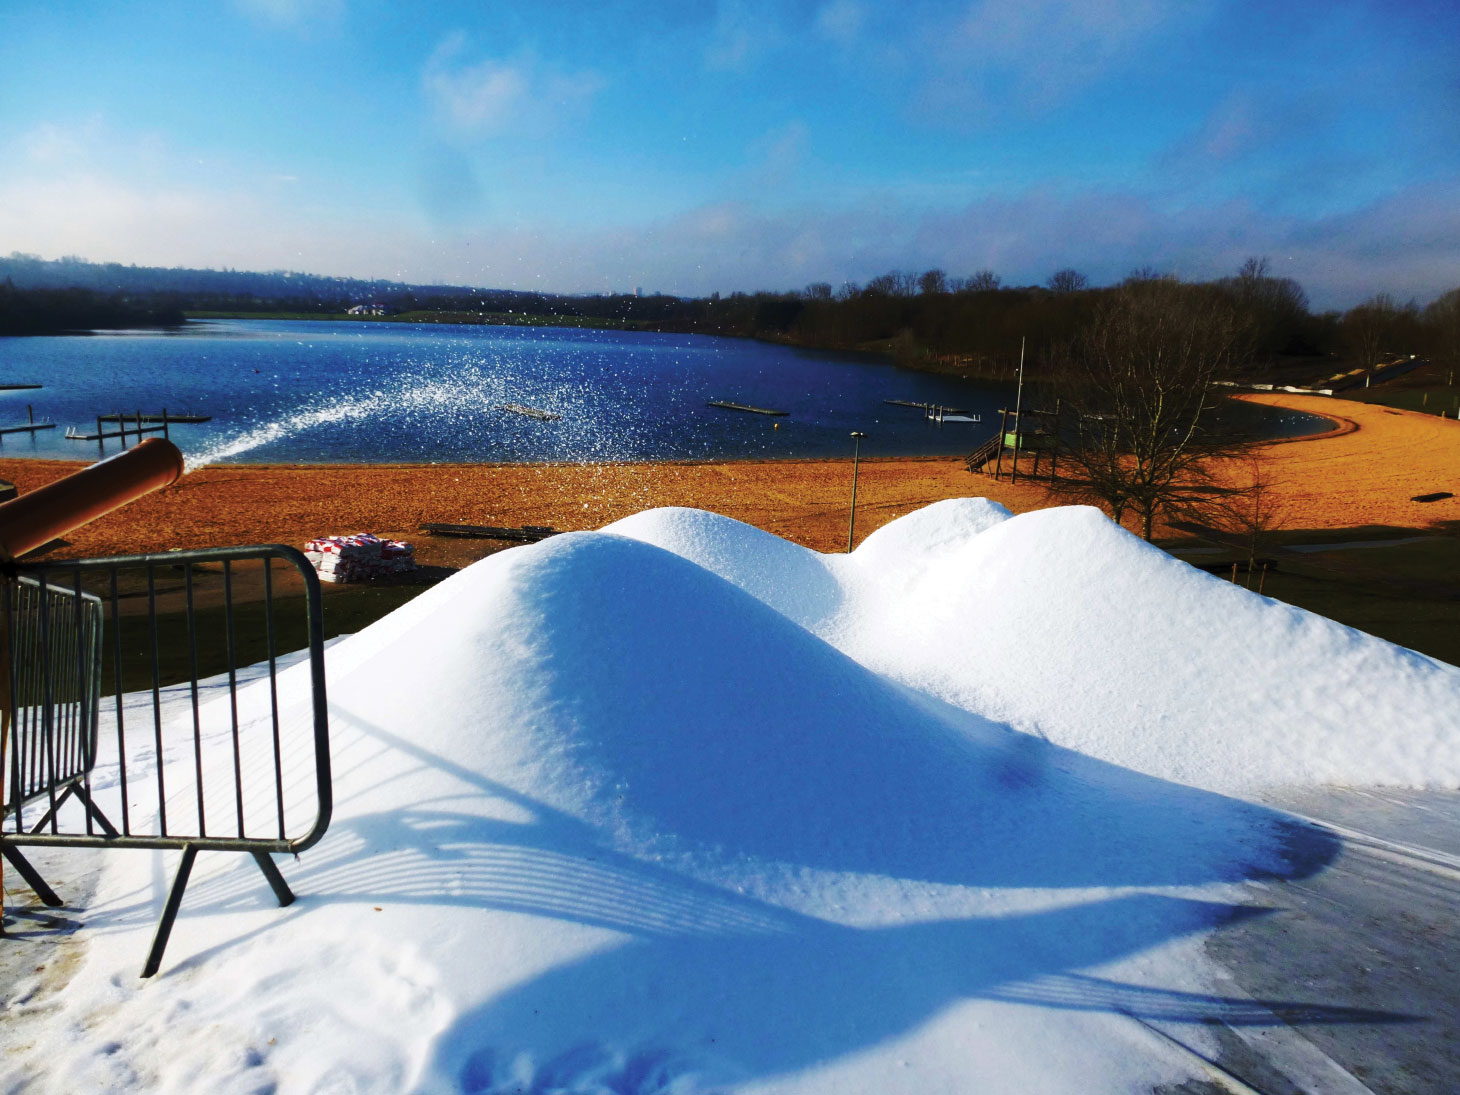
{"x":856,"y":452}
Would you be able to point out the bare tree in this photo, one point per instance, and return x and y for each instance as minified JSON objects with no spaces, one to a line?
{"x":985,"y":281}
{"x":1137,"y":426}
{"x":894,"y":283}
{"x":1146,"y":273}
{"x":1067,"y":281}
{"x":1366,"y":327}
{"x":933,"y":282}
{"x":1253,"y":511}
{"x":1442,"y":330}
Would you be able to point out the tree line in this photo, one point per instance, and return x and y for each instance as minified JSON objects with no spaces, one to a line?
{"x":53,"y":311}
{"x":969,"y":325}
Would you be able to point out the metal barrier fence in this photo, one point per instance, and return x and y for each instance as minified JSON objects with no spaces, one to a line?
{"x":131,"y":722}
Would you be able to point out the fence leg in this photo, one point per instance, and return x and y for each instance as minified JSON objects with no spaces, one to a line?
{"x":169,"y":910}
{"x":30,"y":874}
{"x":276,"y":880}
{"x":95,"y":811}
{"x":69,"y":790}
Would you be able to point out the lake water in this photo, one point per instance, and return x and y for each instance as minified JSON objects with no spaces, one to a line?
{"x":314,"y":392}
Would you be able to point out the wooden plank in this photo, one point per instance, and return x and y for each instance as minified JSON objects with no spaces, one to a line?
{"x":186,"y":418}
{"x":744,"y":407}
{"x":527,"y":534}
{"x":923,"y":406}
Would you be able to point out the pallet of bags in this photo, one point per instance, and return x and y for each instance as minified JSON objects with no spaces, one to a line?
{"x":358,"y":558}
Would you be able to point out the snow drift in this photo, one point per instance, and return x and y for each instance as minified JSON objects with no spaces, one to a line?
{"x":682,"y":807}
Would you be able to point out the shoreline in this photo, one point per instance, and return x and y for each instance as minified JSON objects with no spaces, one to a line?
{"x":1361,"y":472}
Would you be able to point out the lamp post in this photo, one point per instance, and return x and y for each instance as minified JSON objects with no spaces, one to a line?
{"x":856,"y":453}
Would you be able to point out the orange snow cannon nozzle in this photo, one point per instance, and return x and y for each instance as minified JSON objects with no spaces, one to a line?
{"x":44,"y":514}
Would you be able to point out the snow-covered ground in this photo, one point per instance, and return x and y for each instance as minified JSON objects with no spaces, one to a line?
{"x":681,"y":807}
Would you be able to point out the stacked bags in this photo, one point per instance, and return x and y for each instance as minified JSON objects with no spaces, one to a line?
{"x":358,"y":558}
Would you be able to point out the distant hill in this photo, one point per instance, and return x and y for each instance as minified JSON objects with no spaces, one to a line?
{"x":33,"y":272}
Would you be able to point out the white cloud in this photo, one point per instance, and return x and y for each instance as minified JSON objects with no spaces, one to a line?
{"x":51,"y":145}
{"x":494,"y":95}
{"x":743,"y":33}
{"x":1407,"y":244}
{"x":294,"y":14}
{"x":776,"y":159}
{"x":1036,"y":53}
{"x":841,"y":21}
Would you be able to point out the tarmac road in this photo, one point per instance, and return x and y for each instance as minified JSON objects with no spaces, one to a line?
{"x":1358,"y":965}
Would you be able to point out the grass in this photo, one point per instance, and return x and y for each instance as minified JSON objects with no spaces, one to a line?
{"x":1408,"y":594}
{"x":345,"y":611}
{"x":1428,"y":399}
{"x":1427,"y":389}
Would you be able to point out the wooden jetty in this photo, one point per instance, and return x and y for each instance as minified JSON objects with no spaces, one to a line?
{"x":744,"y":407}
{"x":923,"y":406}
{"x":30,"y":425}
{"x":530,"y":412}
{"x":73,"y":434}
{"x":122,"y":432}
{"x":135,"y":423}
{"x":527,"y":534}
{"x":18,"y":387}
{"x":163,"y":417}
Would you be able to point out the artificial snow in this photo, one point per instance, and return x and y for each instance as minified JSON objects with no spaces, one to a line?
{"x":682,"y":807}
{"x":1063,"y":625}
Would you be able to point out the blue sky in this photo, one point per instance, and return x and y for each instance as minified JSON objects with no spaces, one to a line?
{"x":690,"y":148}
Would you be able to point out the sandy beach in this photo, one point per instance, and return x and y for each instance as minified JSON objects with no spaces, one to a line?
{"x":1362,"y":473}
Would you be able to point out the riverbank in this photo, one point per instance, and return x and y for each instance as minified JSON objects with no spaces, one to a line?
{"x":1352,"y":483}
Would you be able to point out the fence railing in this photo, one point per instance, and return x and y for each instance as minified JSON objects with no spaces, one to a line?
{"x":144,"y":707}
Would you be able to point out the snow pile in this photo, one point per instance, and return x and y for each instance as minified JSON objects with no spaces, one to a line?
{"x":636,"y":827}
{"x":358,"y":558}
{"x":1064,"y":625}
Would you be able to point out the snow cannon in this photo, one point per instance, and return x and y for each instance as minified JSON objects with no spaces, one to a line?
{"x":43,"y":514}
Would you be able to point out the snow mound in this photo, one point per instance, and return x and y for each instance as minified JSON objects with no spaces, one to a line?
{"x":1063,"y":624}
{"x":929,"y":532}
{"x":718,"y":813}
{"x":651,"y":699}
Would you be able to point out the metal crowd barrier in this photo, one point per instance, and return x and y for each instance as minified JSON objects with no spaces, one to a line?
{"x":140,"y":705}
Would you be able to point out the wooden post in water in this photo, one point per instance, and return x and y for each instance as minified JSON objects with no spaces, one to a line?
{"x":100,"y":444}
{"x":1018,"y":422}
{"x":1003,"y":433}
{"x":1054,"y":452}
{"x":165,"y":435}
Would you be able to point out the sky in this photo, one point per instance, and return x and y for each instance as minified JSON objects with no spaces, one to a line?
{"x":693,"y":148}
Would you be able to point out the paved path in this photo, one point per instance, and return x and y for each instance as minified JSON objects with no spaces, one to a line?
{"x":1361,"y":962}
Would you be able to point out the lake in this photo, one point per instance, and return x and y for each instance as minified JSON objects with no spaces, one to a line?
{"x":316,"y":392}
